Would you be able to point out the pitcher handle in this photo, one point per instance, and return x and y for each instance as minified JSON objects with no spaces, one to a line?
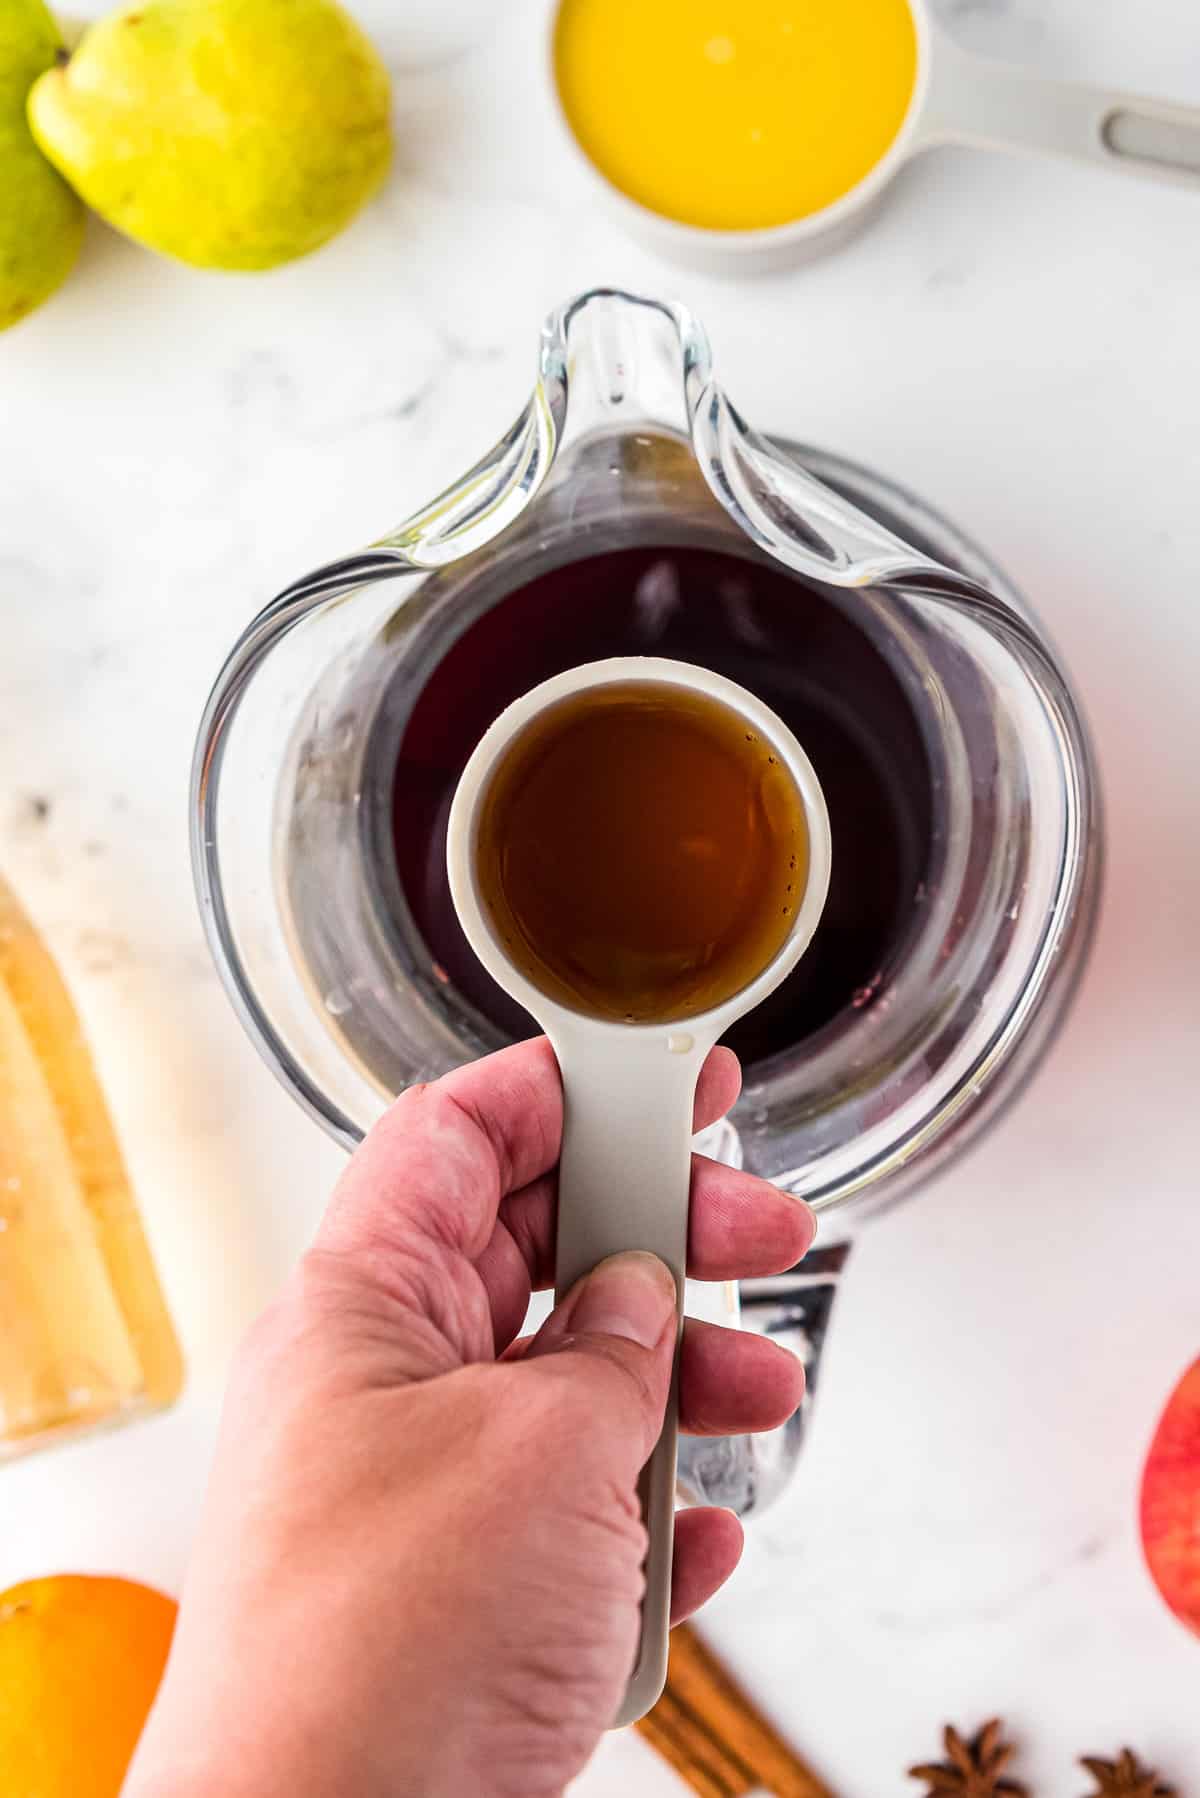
{"x":746,"y":1473}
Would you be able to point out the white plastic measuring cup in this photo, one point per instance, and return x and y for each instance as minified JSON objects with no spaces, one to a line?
{"x":629,"y":1089}
{"x":957,"y":98}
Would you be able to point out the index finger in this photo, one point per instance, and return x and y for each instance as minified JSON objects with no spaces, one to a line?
{"x":441,"y":1159}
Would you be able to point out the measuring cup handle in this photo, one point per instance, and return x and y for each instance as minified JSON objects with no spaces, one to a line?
{"x":975,"y":101}
{"x":624,"y":1181}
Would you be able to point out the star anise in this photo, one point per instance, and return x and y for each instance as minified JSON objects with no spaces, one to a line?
{"x":972,"y":1769}
{"x":1124,"y":1776}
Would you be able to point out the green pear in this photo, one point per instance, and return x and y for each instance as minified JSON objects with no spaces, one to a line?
{"x":227,"y":133}
{"x":41,"y":221}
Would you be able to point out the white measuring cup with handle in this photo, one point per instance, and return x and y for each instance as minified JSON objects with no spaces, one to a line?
{"x":957,"y":98}
{"x":625,"y":1169}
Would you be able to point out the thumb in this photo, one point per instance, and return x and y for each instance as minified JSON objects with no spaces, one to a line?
{"x":611,"y":1344}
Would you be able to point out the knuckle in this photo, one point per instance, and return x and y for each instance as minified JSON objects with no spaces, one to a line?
{"x":584,"y":1393}
{"x":627,"y":1371}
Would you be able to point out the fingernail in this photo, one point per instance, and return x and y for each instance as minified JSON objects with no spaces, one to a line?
{"x":630,"y":1295}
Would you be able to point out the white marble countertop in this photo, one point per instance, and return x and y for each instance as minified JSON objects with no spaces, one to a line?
{"x":1014,"y":338}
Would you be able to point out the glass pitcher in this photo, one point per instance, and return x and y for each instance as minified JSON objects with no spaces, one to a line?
{"x":631,"y":509}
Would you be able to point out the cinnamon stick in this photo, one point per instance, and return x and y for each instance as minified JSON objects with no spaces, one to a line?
{"x":701,"y":1761}
{"x":700,"y":1685}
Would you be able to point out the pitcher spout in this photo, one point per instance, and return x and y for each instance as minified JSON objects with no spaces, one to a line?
{"x":615,"y":362}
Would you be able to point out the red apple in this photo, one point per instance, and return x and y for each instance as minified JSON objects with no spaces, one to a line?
{"x":1171,"y":1501}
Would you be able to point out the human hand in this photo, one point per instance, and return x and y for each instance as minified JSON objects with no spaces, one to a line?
{"x":419,"y":1566}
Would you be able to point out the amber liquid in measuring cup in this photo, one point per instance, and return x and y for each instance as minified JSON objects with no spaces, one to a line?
{"x":803,"y":654}
{"x":642,"y":851}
